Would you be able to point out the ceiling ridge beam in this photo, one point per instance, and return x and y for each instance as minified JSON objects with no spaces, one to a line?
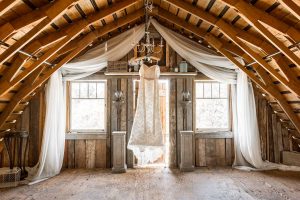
{"x":71,"y":32}
{"x":254,"y":17}
{"x":292,"y":7}
{"x":54,"y":11}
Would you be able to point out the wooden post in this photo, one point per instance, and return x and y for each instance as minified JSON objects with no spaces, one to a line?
{"x":186,"y":151}
{"x":119,"y":152}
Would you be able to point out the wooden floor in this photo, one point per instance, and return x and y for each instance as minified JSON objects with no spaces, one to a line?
{"x":161,"y":183}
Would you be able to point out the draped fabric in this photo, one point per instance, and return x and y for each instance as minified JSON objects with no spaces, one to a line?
{"x":205,"y":60}
{"x":52,"y":150}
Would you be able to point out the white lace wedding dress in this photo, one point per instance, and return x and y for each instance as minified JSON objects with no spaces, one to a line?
{"x":146,"y":140}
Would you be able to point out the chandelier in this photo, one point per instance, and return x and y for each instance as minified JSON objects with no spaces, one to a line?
{"x":149,"y":46}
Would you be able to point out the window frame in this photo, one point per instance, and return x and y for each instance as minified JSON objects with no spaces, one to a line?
{"x":69,"y":102}
{"x":207,"y":130}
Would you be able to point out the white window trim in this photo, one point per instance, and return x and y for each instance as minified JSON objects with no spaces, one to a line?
{"x":89,"y":131}
{"x":213,"y":130}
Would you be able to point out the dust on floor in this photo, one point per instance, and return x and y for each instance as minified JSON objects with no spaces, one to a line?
{"x":162,"y":183}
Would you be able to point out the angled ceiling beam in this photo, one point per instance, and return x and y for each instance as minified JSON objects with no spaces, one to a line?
{"x":292,"y":7}
{"x":10,"y":27}
{"x":29,"y":88}
{"x":253,"y":16}
{"x":234,"y":35}
{"x":266,"y":18}
{"x":268,"y":87}
{"x":54,"y":11}
{"x":80,"y":46}
{"x":71,"y":32}
{"x":6,"y":5}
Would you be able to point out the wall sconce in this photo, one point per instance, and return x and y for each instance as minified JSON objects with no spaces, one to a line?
{"x":118,"y":100}
{"x":186,"y":98}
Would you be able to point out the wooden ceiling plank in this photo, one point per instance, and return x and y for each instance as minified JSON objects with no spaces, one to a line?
{"x":14,"y":25}
{"x":233,"y":34}
{"x":254,"y":19}
{"x":6,"y":5}
{"x":28,"y":89}
{"x":81,"y":45}
{"x":55,"y":10}
{"x":267,"y":87}
{"x":292,"y":7}
{"x":72,"y":31}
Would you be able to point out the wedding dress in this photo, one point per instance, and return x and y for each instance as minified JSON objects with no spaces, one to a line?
{"x":146,"y":140}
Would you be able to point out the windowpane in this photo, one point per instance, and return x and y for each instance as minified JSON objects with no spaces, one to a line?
{"x":212,"y":113}
{"x":100,"y":90}
{"x":223,"y":90}
{"x":83,"y":90}
{"x":92,"y":90}
{"x":75,"y":90}
{"x":87,"y":114}
{"x":87,"y":106}
{"x":215,"y":89}
{"x":212,"y":107}
{"x":199,"y":90}
{"x":207,"y":90}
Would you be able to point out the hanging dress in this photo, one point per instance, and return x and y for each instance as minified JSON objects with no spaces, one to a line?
{"x":146,"y":139}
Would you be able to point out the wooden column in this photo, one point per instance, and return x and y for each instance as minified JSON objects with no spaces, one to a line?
{"x":119,"y":152}
{"x":186,"y":152}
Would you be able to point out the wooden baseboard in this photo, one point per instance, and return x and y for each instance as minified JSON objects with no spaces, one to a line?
{"x":291,"y":158}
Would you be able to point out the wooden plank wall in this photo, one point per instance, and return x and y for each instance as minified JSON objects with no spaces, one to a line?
{"x":214,"y":152}
{"x":85,"y":153}
{"x":32,"y":120}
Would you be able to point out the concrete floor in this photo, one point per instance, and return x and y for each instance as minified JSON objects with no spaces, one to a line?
{"x":162,"y":183}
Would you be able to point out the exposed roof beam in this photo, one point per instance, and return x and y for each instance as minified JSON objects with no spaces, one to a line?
{"x":292,"y":7}
{"x":71,"y":31}
{"x":6,"y":5}
{"x":10,"y":27}
{"x":54,"y":11}
{"x":267,"y":86}
{"x":80,"y":45}
{"x":235,"y":35}
{"x":254,"y":16}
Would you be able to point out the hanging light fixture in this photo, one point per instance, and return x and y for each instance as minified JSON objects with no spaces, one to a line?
{"x":149,"y":46}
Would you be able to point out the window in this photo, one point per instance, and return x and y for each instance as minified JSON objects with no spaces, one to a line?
{"x":87,"y":106}
{"x":212,"y":106}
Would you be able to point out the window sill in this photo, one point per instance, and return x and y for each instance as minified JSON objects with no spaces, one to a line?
{"x":86,"y":136}
{"x":213,"y":134}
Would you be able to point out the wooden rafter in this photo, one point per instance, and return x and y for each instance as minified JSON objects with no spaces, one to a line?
{"x":71,"y":31}
{"x":265,"y":82}
{"x":54,"y":11}
{"x":6,"y":5}
{"x":292,"y":7}
{"x":80,"y":45}
{"x":267,"y":85}
{"x":10,"y":27}
{"x":254,"y":16}
{"x":234,"y":35}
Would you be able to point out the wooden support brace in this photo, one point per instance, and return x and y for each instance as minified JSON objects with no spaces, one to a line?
{"x":6,"y":5}
{"x":55,"y":10}
{"x":292,"y":7}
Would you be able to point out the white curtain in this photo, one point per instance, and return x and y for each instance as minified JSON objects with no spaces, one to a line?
{"x":245,"y":126}
{"x":52,"y":150}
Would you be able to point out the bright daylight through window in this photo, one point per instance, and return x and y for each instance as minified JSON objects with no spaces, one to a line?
{"x":87,"y":106}
{"x":212,"y":106}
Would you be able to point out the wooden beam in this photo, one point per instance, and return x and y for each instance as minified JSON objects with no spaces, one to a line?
{"x":54,"y":11}
{"x":28,"y":89}
{"x":6,"y":5}
{"x":254,"y":18}
{"x":292,"y":7}
{"x":234,"y":35}
{"x":267,"y":86}
{"x":72,"y":32}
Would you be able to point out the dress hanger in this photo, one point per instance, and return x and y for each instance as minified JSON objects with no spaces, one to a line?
{"x":140,"y":60}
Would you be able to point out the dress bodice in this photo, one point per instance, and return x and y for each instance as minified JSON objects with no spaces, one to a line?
{"x":152,"y":72}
